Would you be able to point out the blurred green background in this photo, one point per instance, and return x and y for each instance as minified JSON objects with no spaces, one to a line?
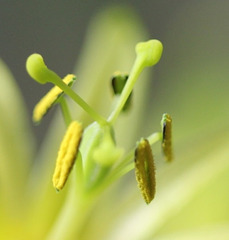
{"x":191,"y":81}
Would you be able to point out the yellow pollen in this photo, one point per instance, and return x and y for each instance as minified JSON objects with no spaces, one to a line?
{"x":67,"y":154}
{"x":49,"y":99}
{"x":145,"y":170}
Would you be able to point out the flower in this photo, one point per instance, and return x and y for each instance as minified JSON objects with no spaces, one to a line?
{"x":100,"y":161}
{"x":190,"y":200}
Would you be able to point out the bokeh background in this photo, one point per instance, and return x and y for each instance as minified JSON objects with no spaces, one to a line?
{"x":191,"y":81}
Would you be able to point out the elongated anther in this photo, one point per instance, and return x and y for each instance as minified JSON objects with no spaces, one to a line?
{"x":166,"y":124}
{"x":67,"y":154}
{"x":145,"y":170}
{"x":50,"y":99}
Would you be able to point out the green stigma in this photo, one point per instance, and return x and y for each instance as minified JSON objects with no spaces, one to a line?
{"x":37,"y":69}
{"x":149,"y":52}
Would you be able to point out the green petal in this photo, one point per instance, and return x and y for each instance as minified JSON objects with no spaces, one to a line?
{"x":192,"y":193}
{"x":210,"y":232}
{"x":203,"y":199}
{"x":16,"y":144}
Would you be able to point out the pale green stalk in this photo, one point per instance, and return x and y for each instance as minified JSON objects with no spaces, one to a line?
{"x":65,"y":111}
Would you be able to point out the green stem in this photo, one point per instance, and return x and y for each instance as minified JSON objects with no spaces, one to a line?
{"x":65,"y":111}
{"x":155,"y":137}
{"x":135,"y":72}
{"x":100,"y":178}
{"x":148,"y":54}
{"x":97,"y":117}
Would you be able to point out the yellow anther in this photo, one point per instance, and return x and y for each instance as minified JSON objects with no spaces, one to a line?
{"x":145,"y":170}
{"x":166,"y":124}
{"x":49,"y":99}
{"x":67,"y":154}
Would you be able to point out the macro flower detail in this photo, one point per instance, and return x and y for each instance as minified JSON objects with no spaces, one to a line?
{"x":111,"y":134}
{"x":101,"y":161}
{"x":101,"y":157}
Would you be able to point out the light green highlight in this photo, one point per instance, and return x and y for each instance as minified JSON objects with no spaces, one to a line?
{"x":107,"y":152}
{"x":149,"y":52}
{"x":37,"y":69}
